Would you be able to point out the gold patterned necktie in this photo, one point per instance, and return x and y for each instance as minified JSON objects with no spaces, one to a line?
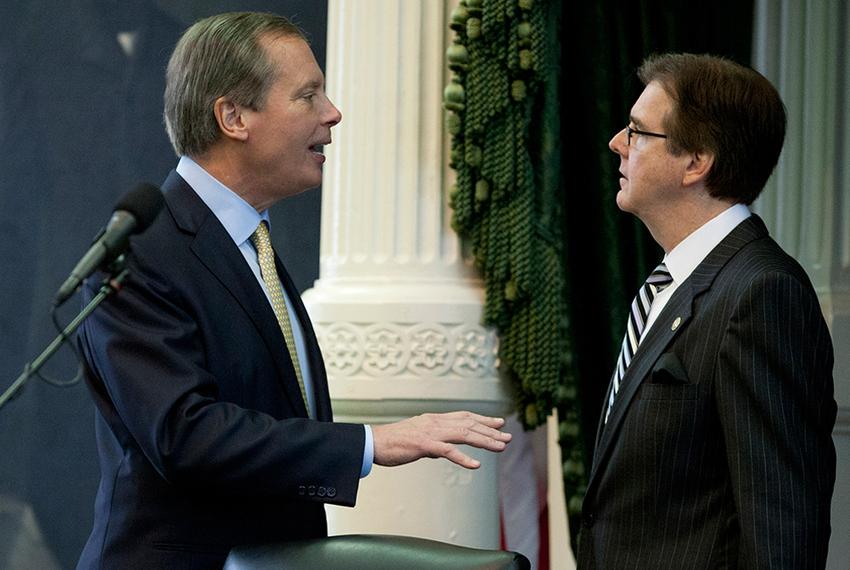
{"x":265,"y":255}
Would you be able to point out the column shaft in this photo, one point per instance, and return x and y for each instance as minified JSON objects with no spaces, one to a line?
{"x":396,"y":309}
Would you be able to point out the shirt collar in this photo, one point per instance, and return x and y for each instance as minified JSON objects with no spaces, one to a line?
{"x":238,"y":217}
{"x":691,"y":251}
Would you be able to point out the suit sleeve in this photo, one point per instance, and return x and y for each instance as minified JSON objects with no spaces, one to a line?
{"x":775,"y":398}
{"x":151,"y":385}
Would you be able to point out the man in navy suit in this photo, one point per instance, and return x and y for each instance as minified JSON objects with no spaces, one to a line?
{"x":214,"y":423}
{"x":714,"y":447}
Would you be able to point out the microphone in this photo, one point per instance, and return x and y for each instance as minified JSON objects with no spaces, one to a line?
{"x":133,"y":214}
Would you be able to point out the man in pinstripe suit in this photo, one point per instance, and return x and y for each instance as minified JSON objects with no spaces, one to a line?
{"x":714,"y":448}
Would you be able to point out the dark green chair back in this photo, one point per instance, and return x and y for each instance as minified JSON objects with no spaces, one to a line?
{"x":373,"y":552}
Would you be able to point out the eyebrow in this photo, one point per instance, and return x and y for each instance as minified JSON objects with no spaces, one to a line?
{"x":636,"y":122}
{"x":308,"y":87}
{"x":312,"y":84}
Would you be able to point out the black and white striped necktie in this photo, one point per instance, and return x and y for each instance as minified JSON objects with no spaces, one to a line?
{"x":657,"y":281}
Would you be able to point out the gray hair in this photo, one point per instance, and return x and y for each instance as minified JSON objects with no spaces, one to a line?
{"x":219,"y":56}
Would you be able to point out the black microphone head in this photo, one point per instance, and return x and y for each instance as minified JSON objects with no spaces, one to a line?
{"x":144,"y":202}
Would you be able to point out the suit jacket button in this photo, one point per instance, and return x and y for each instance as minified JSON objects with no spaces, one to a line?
{"x":311,"y":490}
{"x":321,"y":491}
{"x":301,"y":490}
{"x":331,"y":492}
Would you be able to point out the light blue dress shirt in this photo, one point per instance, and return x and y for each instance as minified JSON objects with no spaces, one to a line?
{"x":240,"y":220}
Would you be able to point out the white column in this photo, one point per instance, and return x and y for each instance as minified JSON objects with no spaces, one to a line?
{"x":396,"y":309}
{"x":803,"y":47}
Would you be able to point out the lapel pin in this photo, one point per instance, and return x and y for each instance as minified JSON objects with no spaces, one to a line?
{"x":676,"y":323}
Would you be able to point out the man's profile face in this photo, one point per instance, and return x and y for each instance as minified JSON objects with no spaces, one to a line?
{"x":295,"y":120}
{"x":650,"y":174}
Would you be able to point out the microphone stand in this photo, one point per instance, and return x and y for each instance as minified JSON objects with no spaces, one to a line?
{"x":110,"y":285}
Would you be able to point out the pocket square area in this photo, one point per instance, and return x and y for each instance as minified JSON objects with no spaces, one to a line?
{"x":668,"y":392}
{"x":668,"y":370}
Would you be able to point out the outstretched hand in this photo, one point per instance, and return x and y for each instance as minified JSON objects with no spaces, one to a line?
{"x":436,"y":435}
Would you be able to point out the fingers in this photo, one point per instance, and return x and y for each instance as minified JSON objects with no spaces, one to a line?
{"x":491,"y":433}
{"x":457,"y":456}
{"x":453,"y":454}
{"x":488,"y":421}
{"x":468,"y":429}
{"x":436,"y":435}
{"x":490,"y":442}
{"x":471,"y":429}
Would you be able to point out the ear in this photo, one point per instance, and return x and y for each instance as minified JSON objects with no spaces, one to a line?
{"x":698,"y":167}
{"x":230,"y":118}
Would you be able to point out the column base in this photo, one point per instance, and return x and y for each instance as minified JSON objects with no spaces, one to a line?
{"x":397,"y":349}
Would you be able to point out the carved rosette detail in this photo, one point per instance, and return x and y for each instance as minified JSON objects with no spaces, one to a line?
{"x":475,"y":352}
{"x":424,"y":349}
{"x":385,"y":350}
{"x":341,"y":347}
{"x":431,"y":351}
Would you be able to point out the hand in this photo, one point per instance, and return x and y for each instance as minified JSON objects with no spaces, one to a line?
{"x":434,"y":435}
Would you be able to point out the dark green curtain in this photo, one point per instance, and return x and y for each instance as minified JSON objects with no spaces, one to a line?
{"x":609,"y":252}
{"x":560,"y":262}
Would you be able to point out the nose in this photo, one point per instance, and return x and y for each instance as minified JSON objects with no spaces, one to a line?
{"x":618,"y":143}
{"x":332,"y":115}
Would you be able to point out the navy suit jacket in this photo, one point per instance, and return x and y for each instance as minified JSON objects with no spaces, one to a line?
{"x":718,"y":451}
{"x":203,"y":437}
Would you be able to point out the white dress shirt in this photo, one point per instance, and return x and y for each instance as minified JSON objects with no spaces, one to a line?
{"x":691,"y":251}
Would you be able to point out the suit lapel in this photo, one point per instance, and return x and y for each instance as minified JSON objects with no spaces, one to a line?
{"x":318,"y":376}
{"x":216,"y":250}
{"x":678,"y":310}
{"x":680,"y":307}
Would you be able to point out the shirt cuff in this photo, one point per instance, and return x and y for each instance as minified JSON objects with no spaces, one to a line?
{"x":368,"y":453}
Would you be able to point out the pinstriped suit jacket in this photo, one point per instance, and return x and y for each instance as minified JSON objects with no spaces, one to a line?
{"x":718,"y":452}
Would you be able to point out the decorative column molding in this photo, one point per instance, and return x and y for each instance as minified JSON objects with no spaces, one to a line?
{"x":396,"y":308}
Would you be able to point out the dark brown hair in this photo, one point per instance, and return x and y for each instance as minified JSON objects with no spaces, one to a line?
{"x":724,"y":108}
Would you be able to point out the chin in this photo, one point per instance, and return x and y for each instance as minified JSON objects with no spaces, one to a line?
{"x":300,"y":190}
{"x":308,"y":183}
{"x":314,"y":184}
{"x":314,"y":180}
{"x":623,"y":201}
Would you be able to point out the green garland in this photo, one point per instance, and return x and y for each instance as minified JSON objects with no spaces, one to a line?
{"x":503,"y":116}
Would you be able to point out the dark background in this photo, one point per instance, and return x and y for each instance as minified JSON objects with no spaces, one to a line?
{"x":80,"y":125}
{"x":609,"y":252}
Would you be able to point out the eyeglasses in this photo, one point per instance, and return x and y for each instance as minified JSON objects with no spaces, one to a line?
{"x":630,"y":131}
